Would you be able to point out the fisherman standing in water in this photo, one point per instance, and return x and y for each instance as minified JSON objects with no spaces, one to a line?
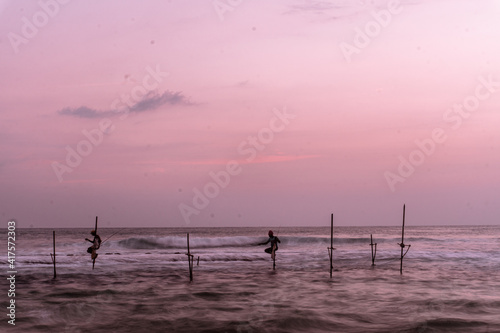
{"x":96,"y":244}
{"x":274,"y":244}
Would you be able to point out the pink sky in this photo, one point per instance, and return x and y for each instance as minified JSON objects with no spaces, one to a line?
{"x":201,"y":80}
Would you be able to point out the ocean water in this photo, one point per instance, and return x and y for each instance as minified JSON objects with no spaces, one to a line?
{"x":450,"y":281}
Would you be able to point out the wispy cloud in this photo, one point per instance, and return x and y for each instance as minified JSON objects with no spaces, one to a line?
{"x":332,"y":9}
{"x":85,"y":112}
{"x":154,"y":100}
{"x":338,"y":9}
{"x":258,"y":160}
{"x":319,"y":6}
{"x":242,"y":84}
{"x":149,"y":102}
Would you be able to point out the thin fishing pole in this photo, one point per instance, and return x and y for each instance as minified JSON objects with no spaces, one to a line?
{"x":113,"y":235}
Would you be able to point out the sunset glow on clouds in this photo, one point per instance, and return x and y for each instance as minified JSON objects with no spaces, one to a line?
{"x":124,"y":109}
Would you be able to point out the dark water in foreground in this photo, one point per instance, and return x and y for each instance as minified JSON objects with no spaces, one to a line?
{"x":141,"y":282}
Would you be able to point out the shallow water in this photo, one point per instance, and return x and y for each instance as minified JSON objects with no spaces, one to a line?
{"x":141,"y":281}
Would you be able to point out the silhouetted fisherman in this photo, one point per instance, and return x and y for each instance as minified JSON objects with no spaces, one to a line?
{"x":274,"y":244}
{"x":96,"y":244}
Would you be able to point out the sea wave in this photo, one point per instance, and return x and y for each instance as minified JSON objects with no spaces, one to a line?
{"x":177,"y":242}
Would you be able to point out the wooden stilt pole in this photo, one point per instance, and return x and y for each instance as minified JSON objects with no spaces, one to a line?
{"x":274,"y":256}
{"x":95,"y":229}
{"x":402,"y":244}
{"x":330,"y":249}
{"x":53,"y":255}
{"x":373,"y":253}
{"x":273,"y":250}
{"x":190,"y":260}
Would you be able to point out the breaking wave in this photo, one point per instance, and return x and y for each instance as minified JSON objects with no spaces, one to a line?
{"x":177,"y":242}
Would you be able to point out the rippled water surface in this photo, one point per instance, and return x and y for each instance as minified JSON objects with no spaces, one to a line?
{"x":450,"y":281}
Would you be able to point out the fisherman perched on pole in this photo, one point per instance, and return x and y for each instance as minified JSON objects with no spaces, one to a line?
{"x":96,"y":244}
{"x":274,"y":243}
